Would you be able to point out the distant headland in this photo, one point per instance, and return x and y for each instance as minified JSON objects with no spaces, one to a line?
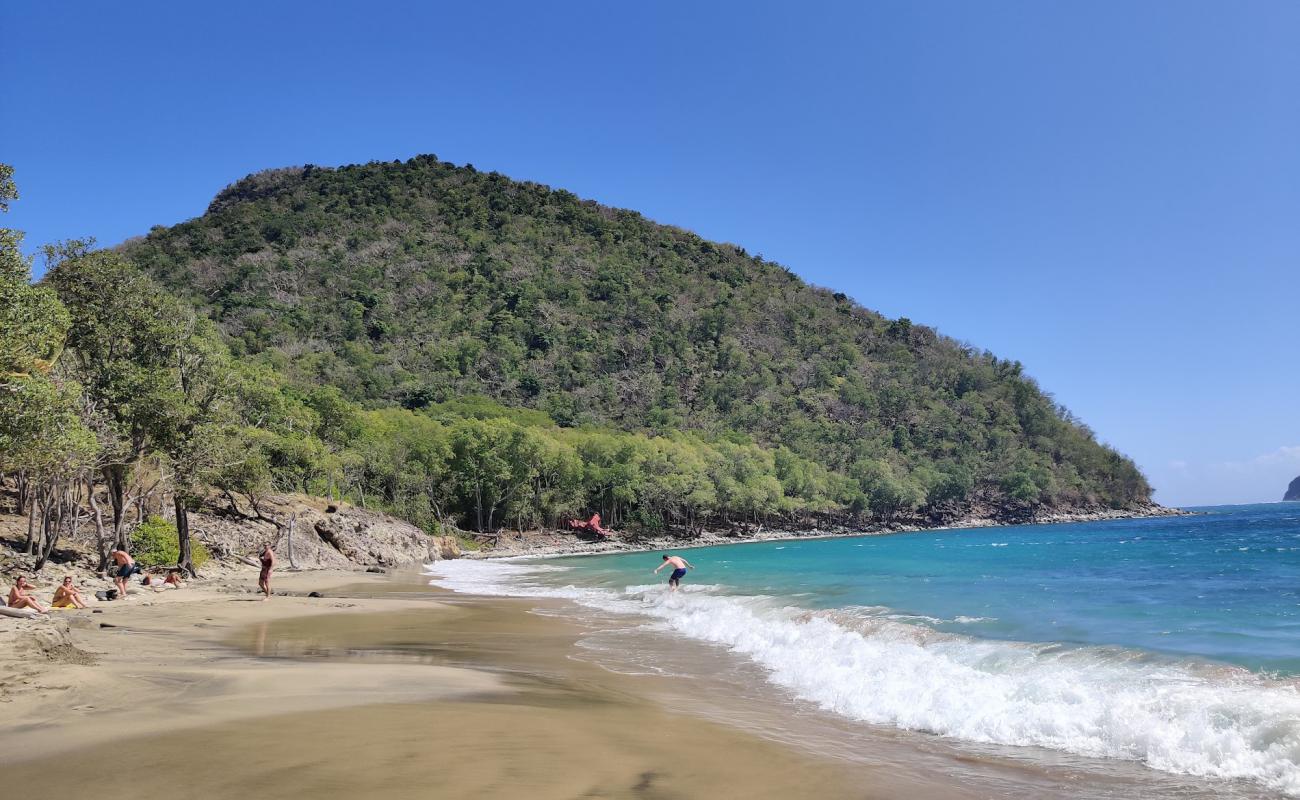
{"x":1292,"y":491}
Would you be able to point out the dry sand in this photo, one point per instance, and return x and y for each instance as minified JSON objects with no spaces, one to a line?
{"x":379,"y":687}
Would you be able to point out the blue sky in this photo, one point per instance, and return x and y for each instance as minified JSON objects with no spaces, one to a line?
{"x":1107,"y":191}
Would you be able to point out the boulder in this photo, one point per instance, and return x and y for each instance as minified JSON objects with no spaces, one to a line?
{"x":333,"y":536}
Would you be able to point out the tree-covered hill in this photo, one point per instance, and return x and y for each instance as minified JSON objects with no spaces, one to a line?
{"x":416,"y":284}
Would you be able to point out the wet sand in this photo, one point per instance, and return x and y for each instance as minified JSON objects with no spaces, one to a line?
{"x":389,"y":691}
{"x":387,"y":685}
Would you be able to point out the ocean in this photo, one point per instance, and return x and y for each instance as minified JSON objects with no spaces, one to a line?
{"x":1172,"y":643}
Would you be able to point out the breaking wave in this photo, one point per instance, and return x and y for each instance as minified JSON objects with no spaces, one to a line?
{"x":869,"y":664}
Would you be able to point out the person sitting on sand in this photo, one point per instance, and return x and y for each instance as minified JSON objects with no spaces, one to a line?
{"x":680,"y":565}
{"x":21,"y":596}
{"x":66,"y":595}
{"x":126,"y":567}
{"x":267,"y":557}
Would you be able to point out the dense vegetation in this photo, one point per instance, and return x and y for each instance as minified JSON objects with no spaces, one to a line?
{"x":464,"y":349}
{"x":413,"y":284}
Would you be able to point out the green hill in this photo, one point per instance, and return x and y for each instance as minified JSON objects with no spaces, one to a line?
{"x":419,"y":284}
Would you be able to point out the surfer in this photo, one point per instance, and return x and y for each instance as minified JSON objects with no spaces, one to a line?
{"x":679,"y":565}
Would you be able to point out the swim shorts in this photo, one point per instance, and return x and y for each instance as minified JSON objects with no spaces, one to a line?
{"x":677,"y":575}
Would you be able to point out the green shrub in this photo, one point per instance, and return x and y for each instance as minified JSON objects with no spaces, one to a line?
{"x":155,"y":544}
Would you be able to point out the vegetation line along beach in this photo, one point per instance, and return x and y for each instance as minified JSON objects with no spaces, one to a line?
{"x":471,"y":353}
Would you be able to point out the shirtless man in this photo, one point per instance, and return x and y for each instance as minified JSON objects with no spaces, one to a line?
{"x":679,"y":565}
{"x":66,"y":595}
{"x":124,"y":570}
{"x":21,"y":596}
{"x":267,"y":557}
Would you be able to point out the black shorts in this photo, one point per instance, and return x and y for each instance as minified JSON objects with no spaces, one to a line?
{"x":127,"y":570}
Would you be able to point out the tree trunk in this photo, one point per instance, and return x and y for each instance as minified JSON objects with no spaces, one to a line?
{"x":24,"y":490}
{"x":53,"y":525}
{"x":99,"y":524}
{"x":31,"y":524}
{"x":293,"y":520}
{"x":115,"y":481}
{"x":186,"y":560}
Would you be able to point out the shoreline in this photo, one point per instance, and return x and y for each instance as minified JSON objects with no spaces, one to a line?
{"x":549,"y":543}
{"x":386,"y":684}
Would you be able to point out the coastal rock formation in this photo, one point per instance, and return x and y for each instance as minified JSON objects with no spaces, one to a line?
{"x":325,"y":535}
{"x":1293,"y":491}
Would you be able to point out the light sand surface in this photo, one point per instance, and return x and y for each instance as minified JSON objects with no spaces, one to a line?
{"x":158,"y":662}
{"x":387,"y":690}
{"x":387,"y":686}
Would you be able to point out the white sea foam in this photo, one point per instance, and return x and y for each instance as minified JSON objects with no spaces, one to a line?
{"x":1103,"y":702}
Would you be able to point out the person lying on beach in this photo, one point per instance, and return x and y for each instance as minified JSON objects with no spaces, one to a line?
{"x":679,"y":565}
{"x":21,"y":596}
{"x":126,"y":567}
{"x":172,"y":581}
{"x":267,"y":557}
{"x":66,"y":595}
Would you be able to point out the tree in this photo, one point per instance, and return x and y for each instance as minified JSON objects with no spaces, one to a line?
{"x":125,"y":336}
{"x":42,"y":434}
{"x":191,"y":429}
{"x":494,"y":462}
{"x":33,"y":323}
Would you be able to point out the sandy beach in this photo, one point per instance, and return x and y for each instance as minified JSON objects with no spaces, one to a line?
{"x":378,"y":686}
{"x":385,"y":684}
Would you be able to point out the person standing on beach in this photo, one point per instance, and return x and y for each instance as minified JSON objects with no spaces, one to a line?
{"x":267,"y":557}
{"x":124,"y":570}
{"x":679,"y":565}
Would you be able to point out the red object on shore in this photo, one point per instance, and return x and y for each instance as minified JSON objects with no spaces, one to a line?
{"x":592,"y":525}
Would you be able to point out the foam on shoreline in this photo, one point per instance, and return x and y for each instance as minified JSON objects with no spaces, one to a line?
{"x":867,"y":664}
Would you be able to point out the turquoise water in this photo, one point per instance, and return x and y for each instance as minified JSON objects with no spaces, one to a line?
{"x":1223,"y":585}
{"x":1173,"y":642}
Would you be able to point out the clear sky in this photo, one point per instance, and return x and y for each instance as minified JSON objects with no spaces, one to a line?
{"x":1107,"y":191}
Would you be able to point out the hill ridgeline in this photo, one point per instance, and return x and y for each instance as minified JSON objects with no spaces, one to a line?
{"x":420,"y":284}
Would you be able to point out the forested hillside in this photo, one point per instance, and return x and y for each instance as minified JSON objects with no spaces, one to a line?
{"x":418,"y":285}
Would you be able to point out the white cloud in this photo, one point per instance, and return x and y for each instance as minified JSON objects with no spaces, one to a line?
{"x":1260,"y":478}
{"x":1282,"y":455}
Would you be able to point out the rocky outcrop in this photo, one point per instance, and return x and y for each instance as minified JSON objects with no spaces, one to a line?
{"x":313,"y":534}
{"x":1293,"y":491}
